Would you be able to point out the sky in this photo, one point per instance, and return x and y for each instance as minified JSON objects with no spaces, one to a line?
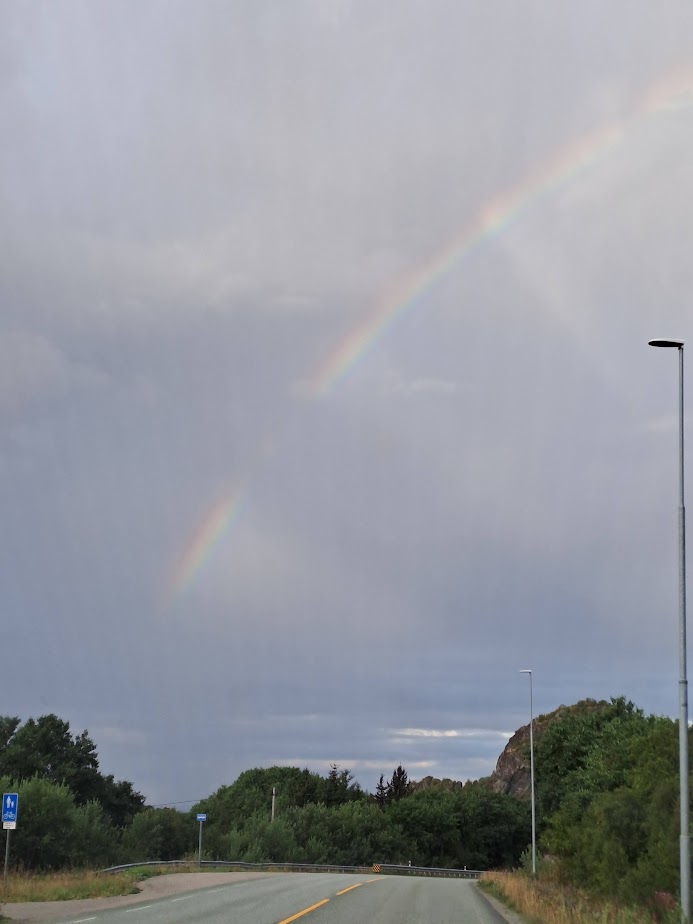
{"x":326,"y":403}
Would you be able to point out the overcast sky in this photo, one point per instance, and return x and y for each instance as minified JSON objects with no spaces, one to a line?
{"x":325,"y":396}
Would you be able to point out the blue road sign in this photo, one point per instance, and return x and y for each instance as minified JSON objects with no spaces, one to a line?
{"x":10,"y":801}
{"x":202,"y":817}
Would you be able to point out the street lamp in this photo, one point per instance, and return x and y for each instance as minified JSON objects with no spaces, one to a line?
{"x":531,"y":771}
{"x":684,"y":839}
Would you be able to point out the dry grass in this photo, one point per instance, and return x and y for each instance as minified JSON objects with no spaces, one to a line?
{"x":66,"y":885}
{"x":547,"y":902}
{"x":56,"y":887}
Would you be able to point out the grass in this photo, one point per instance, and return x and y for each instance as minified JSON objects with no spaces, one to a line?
{"x":547,"y":902}
{"x":63,"y":886}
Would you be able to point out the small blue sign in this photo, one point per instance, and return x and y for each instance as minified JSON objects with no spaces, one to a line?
{"x":202,"y":818}
{"x":10,"y":801}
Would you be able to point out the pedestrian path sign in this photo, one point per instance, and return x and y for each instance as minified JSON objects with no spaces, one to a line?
{"x":10,"y":803}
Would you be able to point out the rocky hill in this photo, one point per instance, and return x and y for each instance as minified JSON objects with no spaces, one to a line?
{"x":512,"y":768}
{"x":430,"y":782}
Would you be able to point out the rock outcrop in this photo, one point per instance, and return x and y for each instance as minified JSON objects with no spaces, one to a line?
{"x":512,"y":773}
{"x":430,"y":782}
{"x":512,"y":767}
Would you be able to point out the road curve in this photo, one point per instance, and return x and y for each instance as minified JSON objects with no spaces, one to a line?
{"x":309,"y":898}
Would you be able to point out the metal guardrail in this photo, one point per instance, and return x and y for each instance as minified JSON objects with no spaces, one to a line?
{"x":126,"y":866}
{"x":441,"y":872}
{"x":387,"y":869}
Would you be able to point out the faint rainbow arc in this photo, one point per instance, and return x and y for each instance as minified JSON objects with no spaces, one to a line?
{"x":490,"y":220}
{"x":209,"y":532}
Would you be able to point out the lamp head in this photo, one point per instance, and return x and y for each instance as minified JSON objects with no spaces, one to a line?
{"x":526,"y":671}
{"x":665,"y":342}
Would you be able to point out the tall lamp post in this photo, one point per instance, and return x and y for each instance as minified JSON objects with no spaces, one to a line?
{"x":531,"y":773}
{"x":684,"y":839}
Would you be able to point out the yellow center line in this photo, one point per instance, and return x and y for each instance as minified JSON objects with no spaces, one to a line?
{"x":377,"y":879}
{"x":350,"y":888}
{"x":305,"y":911}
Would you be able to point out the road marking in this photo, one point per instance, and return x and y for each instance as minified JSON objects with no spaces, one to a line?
{"x":350,"y":888}
{"x":181,"y":899}
{"x":139,"y":908}
{"x":305,"y":911}
{"x":209,"y":891}
{"x":377,"y":879}
{"x":82,"y":920}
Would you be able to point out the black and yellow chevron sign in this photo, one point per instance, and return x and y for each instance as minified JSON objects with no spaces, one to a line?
{"x":376,"y":867}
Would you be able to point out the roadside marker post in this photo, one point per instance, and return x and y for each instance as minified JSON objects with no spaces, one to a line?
{"x":10,"y":807}
{"x":201,"y":818}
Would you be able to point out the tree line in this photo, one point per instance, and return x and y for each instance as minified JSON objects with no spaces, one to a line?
{"x":606,"y":788}
{"x":70,"y":814}
{"x":332,"y":820}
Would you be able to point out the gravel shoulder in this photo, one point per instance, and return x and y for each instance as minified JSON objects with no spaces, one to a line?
{"x":507,"y":914}
{"x":150,"y":890}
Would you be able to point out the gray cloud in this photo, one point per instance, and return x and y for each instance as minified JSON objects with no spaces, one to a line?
{"x":466,"y":221}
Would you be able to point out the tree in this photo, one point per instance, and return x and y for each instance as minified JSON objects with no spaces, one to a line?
{"x":54,"y":832}
{"x":252,"y":792}
{"x":610,"y":793}
{"x":579,"y":753}
{"x":494,"y":827}
{"x":399,"y":785}
{"x":8,"y":726}
{"x":339,"y":787}
{"x":382,"y":793}
{"x":336,"y":785}
{"x":159,"y":834}
{"x":44,"y":747}
{"x":429,"y":823}
{"x":120,"y":801}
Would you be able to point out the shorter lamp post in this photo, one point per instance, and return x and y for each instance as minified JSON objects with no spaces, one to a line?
{"x":531,"y":771}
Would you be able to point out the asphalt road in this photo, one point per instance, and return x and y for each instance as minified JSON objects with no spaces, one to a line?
{"x":311,"y":898}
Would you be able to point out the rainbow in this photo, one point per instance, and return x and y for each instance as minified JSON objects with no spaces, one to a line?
{"x":492,"y":219}
{"x":209,"y":532}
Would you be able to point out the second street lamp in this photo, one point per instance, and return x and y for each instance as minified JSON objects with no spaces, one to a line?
{"x":531,"y":772}
{"x":684,"y":837}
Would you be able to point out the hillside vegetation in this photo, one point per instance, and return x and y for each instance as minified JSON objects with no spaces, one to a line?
{"x":607,"y":800}
{"x":72,"y":815}
{"x":606,"y":787}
